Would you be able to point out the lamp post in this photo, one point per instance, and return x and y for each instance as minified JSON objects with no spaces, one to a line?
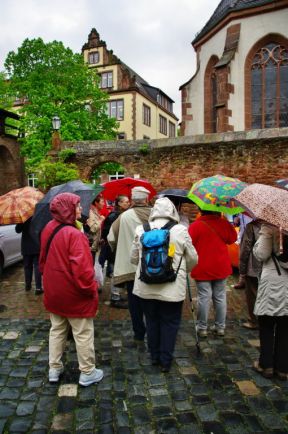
{"x":56,"y":140}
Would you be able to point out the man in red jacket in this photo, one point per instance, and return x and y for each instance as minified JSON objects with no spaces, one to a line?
{"x":70,"y":291}
{"x":210,"y":235}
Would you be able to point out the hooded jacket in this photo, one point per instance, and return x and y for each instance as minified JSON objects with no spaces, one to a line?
{"x":68,"y":274}
{"x":163,"y":212}
{"x":210,"y":235}
{"x":272,"y":294}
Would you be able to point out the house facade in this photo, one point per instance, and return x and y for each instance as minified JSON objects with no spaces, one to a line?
{"x":143,"y":111}
{"x":241,"y":78}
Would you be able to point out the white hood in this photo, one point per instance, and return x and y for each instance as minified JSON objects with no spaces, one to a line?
{"x":164,"y":208}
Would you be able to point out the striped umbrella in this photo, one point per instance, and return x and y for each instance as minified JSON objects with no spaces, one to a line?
{"x":18,"y":205}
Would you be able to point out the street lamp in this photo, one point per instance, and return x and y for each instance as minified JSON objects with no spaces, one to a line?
{"x":56,"y":140}
{"x":56,"y":123}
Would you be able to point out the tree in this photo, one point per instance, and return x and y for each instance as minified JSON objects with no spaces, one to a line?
{"x":51,"y":80}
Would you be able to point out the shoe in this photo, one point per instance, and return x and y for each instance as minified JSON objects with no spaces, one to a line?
{"x":202,"y":333}
{"x":217,"y":331}
{"x":94,"y":377}
{"x":38,"y":291}
{"x":265,"y":372}
{"x":28,"y":289}
{"x":155,"y":362}
{"x":119,"y":304}
{"x":54,"y":374}
{"x":281,"y":376}
{"x":250,"y":325}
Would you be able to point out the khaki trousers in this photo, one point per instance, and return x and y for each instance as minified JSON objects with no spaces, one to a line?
{"x":83,"y":333}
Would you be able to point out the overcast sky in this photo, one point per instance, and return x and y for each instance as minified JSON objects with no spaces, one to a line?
{"x":153,"y":37}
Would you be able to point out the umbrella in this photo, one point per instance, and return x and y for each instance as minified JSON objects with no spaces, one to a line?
{"x":18,"y":205}
{"x":42,"y":215}
{"x":282,"y":183}
{"x":124,"y":186}
{"x":265,"y":203}
{"x":216,"y":193}
{"x":177,"y":195}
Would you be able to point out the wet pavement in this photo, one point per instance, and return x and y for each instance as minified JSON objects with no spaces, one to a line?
{"x":216,"y":392}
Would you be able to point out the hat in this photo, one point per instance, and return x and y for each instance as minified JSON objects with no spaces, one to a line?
{"x":139,"y":193}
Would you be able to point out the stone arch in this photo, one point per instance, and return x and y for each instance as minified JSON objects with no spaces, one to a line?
{"x":209,"y":96}
{"x":8,"y":170}
{"x":104,"y":175}
{"x":272,"y":37}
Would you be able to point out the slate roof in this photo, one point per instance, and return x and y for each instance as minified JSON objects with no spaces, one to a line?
{"x":224,"y":8}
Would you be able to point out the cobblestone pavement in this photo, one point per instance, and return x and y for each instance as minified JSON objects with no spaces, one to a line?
{"x":216,"y":392}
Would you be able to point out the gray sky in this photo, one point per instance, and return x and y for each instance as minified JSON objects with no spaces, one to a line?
{"x":153,"y":37}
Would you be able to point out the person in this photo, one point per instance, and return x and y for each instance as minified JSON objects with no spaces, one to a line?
{"x":162,"y":302}
{"x":210,"y":235}
{"x":271,"y":306}
{"x":122,"y":203}
{"x":250,"y":269}
{"x":94,"y":223}
{"x":30,"y":250}
{"x":70,"y":293}
{"x":120,"y":238}
{"x":241,"y":221}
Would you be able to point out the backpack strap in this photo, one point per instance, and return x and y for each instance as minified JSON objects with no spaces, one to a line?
{"x":146,"y":227}
{"x":57,"y":229}
{"x":169,"y":225}
{"x":273,"y":256}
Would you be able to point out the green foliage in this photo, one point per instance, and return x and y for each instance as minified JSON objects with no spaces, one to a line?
{"x":144,"y":149}
{"x":51,"y":173}
{"x":66,"y":153}
{"x":109,"y":167}
{"x":55,"y":81}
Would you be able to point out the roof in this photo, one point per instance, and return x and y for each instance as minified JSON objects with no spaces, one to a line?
{"x":225,"y":8}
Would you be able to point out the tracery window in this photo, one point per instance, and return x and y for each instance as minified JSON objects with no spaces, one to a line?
{"x":269,"y":87}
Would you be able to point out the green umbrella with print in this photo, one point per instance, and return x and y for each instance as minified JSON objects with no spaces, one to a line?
{"x":216,"y":193}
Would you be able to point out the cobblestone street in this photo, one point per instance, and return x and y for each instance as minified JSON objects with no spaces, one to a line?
{"x":216,"y":392}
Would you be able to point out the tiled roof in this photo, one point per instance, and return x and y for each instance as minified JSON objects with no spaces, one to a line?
{"x":224,"y":8}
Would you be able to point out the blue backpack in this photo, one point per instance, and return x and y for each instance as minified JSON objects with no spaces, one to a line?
{"x":156,"y":264}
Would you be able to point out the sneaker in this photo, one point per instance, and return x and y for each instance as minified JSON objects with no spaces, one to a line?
{"x":94,"y":377}
{"x":265,"y":372}
{"x":250,"y":325}
{"x":217,"y":331}
{"x":54,"y":374}
{"x":38,"y":291}
{"x":202,"y":333}
{"x":119,"y":304}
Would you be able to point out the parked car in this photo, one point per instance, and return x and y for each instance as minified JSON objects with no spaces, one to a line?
{"x":10,"y":246}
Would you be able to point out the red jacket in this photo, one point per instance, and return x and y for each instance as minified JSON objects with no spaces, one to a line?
{"x":210,"y":235}
{"x":68,"y":274}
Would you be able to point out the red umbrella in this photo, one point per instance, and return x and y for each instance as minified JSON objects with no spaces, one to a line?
{"x":112,"y":189}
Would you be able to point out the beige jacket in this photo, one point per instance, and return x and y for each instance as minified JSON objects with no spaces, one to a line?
{"x":162,"y":212}
{"x":94,"y":222}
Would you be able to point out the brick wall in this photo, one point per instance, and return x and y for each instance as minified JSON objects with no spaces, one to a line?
{"x":252,"y":156}
{"x":11,"y":165}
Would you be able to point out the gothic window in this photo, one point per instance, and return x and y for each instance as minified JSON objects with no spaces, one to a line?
{"x":214,"y":102}
{"x":269,"y":87}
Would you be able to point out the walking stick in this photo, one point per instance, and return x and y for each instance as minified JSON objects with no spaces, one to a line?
{"x":193,"y":316}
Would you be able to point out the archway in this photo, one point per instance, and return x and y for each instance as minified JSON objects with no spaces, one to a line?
{"x":8,"y":171}
{"x":107,"y":171}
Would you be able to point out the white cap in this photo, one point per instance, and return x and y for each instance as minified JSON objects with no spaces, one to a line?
{"x":139,"y":193}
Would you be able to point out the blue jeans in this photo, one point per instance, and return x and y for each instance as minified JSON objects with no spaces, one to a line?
{"x":136,"y":312}
{"x":215,"y":290}
{"x":163,"y":321}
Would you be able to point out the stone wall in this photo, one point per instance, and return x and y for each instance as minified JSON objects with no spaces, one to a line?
{"x":11,"y":165}
{"x":252,"y":156}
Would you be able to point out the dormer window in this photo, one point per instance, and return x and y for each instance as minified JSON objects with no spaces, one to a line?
{"x":93,"y":57}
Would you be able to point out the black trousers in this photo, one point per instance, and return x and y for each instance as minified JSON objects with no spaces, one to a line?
{"x":136,"y":312}
{"x":31,"y":262}
{"x":162,"y":321}
{"x":273,"y":342}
